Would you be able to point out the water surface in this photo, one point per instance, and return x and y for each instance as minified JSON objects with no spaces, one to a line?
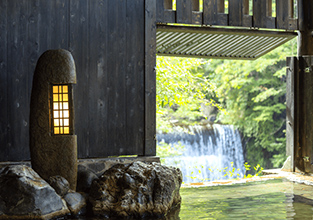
{"x":271,"y":199}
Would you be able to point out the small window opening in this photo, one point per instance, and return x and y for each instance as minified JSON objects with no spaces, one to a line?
{"x":294,"y":5}
{"x":221,"y":6}
{"x":245,"y":6}
{"x":61,"y":109}
{"x":273,"y":8}
{"x":290,"y":8}
{"x":200,"y":5}
{"x":195,"y":5}
{"x":168,"y":4}
{"x":251,"y":7}
{"x":226,"y":7}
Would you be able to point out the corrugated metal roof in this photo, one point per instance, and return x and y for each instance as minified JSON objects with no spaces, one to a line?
{"x":208,"y":42}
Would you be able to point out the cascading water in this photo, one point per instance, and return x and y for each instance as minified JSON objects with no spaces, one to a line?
{"x":209,"y":153}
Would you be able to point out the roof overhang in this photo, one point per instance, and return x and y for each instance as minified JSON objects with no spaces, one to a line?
{"x":222,"y":43}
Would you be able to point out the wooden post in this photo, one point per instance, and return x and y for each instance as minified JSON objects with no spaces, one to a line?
{"x":150,"y":78}
{"x":305,"y":39}
{"x":303,"y":92}
{"x":291,"y":113}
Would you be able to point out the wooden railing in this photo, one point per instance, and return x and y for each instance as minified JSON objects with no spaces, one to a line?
{"x":272,"y":14}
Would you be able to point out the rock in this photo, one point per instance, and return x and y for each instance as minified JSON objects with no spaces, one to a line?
{"x":59,"y":184}
{"x":24,"y":195}
{"x":212,"y":118}
{"x":287,"y":165}
{"x":136,"y":190}
{"x":84,"y":179}
{"x":76,"y":202}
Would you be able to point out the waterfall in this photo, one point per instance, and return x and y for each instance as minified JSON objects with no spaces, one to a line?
{"x":208,"y":150}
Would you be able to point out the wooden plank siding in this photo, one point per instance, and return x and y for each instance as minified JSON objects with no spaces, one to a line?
{"x":116,"y":31}
{"x":285,"y":15}
{"x":165,"y":12}
{"x":98,"y":63}
{"x":235,"y":12}
{"x":135,"y":75}
{"x":262,"y":14}
{"x":78,"y":45}
{"x":114,"y":97}
{"x":4,"y":134}
{"x":150,"y":78}
{"x":213,"y":13}
{"x":187,"y":12}
{"x":18,"y":90}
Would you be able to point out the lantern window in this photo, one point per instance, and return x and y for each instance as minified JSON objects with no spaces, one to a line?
{"x":61,"y":116}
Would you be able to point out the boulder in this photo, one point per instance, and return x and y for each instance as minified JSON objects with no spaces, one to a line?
{"x":85,"y":177}
{"x":76,"y":202}
{"x":287,"y":165}
{"x":136,"y":190}
{"x":59,"y":184}
{"x":24,"y":195}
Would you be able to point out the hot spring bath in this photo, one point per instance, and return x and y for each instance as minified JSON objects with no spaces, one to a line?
{"x":271,"y":199}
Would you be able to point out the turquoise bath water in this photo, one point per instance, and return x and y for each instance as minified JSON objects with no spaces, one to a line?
{"x":271,"y":199}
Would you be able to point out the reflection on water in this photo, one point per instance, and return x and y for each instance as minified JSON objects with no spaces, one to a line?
{"x":271,"y":199}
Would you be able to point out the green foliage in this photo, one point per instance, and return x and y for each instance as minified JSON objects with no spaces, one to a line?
{"x":167,"y":150}
{"x":253,"y":94}
{"x":231,"y":173}
{"x":181,"y":89}
{"x":257,"y":170}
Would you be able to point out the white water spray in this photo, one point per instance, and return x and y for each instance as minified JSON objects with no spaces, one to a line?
{"x":208,"y":150}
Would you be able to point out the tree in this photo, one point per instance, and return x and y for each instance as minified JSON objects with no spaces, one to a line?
{"x":253,"y":94}
{"x":181,"y":89}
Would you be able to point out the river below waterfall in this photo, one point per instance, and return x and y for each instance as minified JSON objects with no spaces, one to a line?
{"x":210,"y":152}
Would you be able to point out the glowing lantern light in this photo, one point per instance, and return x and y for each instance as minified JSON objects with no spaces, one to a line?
{"x":61,"y":109}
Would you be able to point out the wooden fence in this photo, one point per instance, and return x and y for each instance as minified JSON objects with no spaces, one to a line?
{"x":272,"y":14}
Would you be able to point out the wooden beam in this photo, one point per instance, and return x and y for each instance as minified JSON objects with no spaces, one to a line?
{"x":305,"y":116}
{"x":4,"y":123}
{"x":184,"y":11}
{"x":235,"y":12}
{"x":305,"y":40}
{"x":164,"y":12}
{"x":261,"y":17}
{"x":304,"y":90}
{"x":168,"y":4}
{"x":150,"y":78}
{"x":292,"y":145}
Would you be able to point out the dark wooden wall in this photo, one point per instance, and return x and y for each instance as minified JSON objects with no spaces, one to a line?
{"x":213,"y":13}
{"x":113,"y":45}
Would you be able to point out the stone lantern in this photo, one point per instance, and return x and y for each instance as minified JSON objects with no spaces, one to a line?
{"x":53,"y":143}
